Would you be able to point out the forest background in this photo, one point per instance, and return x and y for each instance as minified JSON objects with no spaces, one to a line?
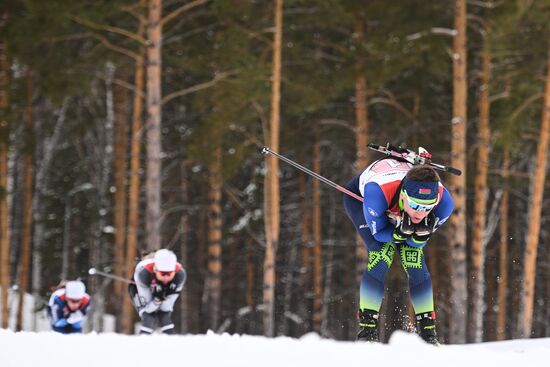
{"x":128,"y":126}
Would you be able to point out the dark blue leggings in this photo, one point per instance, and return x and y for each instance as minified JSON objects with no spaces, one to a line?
{"x":380,"y":258}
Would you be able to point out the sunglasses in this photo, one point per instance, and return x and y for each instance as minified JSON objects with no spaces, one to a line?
{"x":74,"y":300}
{"x":165,"y":273}
{"x":417,"y":206}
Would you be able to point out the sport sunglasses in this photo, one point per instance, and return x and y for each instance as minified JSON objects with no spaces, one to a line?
{"x":417,"y":206}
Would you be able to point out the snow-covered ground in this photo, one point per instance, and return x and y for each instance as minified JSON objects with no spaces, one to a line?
{"x":46,"y":349}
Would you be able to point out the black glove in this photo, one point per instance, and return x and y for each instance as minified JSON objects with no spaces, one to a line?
{"x":159,"y":294}
{"x":424,"y":230}
{"x":404,"y":230}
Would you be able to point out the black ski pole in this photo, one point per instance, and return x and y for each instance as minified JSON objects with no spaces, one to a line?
{"x":94,"y":271}
{"x":266,"y":150}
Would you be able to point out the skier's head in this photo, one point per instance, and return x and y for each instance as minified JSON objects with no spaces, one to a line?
{"x":74,"y":293}
{"x":420,"y":192}
{"x":165,"y":265}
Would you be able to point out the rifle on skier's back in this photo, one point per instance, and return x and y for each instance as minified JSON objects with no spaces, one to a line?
{"x":410,"y":156}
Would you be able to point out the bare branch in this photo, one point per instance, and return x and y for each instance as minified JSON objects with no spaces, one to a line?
{"x":181,"y":10}
{"x":394,"y":103}
{"x":118,"y":49}
{"x":129,"y":86}
{"x":196,"y":88}
{"x":526,"y":104}
{"x":338,"y":122}
{"x":132,"y":9}
{"x":102,"y":27}
{"x":434,"y":30}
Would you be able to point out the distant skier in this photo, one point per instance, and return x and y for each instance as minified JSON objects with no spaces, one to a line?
{"x":68,"y":307}
{"x":158,"y":283}
{"x":403,"y":206}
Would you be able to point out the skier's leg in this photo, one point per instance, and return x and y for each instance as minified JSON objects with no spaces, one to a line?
{"x":148,"y":321}
{"x":371,"y":290}
{"x":372,"y":283}
{"x":421,"y":290}
{"x":165,"y":322}
{"x":420,"y":281}
{"x":380,"y":254}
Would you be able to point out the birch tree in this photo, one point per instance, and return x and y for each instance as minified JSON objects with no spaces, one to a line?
{"x":317,"y":239}
{"x":26,"y":236}
{"x":477,"y":269}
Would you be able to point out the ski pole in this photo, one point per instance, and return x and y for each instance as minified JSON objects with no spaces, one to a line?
{"x":94,"y":271}
{"x":266,"y":150}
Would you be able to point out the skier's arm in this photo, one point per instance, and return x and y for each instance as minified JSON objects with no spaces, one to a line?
{"x":441,"y":213}
{"x":143,"y":287}
{"x":56,"y":311}
{"x":173,"y":291}
{"x":374,"y":210}
{"x":444,"y":209}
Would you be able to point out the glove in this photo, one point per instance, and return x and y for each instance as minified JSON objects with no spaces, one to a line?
{"x":404,"y":229}
{"x":159,"y":294}
{"x":75,"y":317}
{"x":424,"y":230}
{"x":151,"y":307}
{"x":60,"y":323}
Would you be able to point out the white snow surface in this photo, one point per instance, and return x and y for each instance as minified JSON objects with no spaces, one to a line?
{"x":48,"y":349}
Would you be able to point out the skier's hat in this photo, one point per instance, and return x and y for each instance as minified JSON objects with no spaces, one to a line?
{"x":75,"y":289}
{"x":165,"y":260}
{"x":422,"y":191}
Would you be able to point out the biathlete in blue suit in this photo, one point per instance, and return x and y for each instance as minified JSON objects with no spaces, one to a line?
{"x":68,"y":307}
{"x":403,"y":206}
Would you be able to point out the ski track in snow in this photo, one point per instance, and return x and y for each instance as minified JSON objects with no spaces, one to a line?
{"x":48,"y":349}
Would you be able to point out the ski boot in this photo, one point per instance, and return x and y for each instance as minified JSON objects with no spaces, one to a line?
{"x":425,"y":324}
{"x":368,"y":326}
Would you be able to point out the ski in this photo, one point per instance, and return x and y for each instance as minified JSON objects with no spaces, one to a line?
{"x":407,"y":155}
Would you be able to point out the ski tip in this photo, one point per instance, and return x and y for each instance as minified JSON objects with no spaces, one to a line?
{"x":91,"y":271}
{"x":265,"y":150}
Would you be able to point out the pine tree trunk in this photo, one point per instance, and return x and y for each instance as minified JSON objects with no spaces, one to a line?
{"x":271,"y":190}
{"x":154,"y":117}
{"x":4,"y":211}
{"x":213,"y":280}
{"x":477,"y":269}
{"x":316,"y":232}
{"x":26,"y":232}
{"x":119,"y":177}
{"x":537,"y":189}
{"x":305,"y":278}
{"x":133,"y":197}
{"x":250,"y":276}
{"x":184,"y":247}
{"x":457,"y":222}
{"x":327,"y":305}
{"x":361,"y":133}
{"x":43,"y":156}
{"x":503,"y":252}
{"x":288,"y":282}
